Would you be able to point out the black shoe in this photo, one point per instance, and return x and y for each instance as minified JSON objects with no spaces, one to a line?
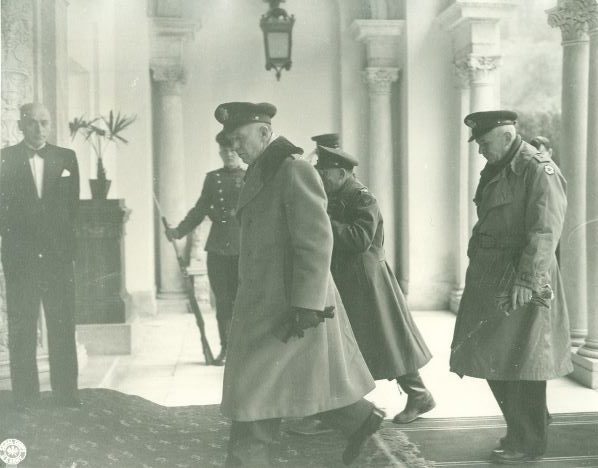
{"x":512,"y":457}
{"x":358,"y":438}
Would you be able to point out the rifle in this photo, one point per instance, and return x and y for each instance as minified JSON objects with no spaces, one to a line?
{"x":192,"y":304}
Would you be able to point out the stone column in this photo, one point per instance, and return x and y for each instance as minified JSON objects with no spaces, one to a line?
{"x":569,"y":17}
{"x":483,"y":84}
{"x":169,"y":32}
{"x":380,"y":162}
{"x":170,"y":159}
{"x":380,"y":37}
{"x":462,"y":84}
{"x":474,"y":27}
{"x":586,"y":360}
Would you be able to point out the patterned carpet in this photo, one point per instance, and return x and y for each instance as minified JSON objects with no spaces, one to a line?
{"x":117,"y":430}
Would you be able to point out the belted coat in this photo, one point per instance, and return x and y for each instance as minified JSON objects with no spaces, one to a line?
{"x":386,"y":333}
{"x":285,"y":251}
{"x":520,"y":219}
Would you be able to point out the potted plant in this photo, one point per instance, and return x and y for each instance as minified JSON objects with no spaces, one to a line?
{"x":100,"y":132}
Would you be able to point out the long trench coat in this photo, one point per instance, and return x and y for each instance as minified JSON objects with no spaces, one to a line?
{"x":521,"y":215}
{"x":286,"y":246}
{"x":386,"y":333}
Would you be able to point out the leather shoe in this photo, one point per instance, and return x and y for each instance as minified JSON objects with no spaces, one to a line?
{"x":511,"y":457}
{"x":415,"y":407}
{"x":358,"y":438}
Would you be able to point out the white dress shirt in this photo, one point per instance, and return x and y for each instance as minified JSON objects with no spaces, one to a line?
{"x":37,"y":169}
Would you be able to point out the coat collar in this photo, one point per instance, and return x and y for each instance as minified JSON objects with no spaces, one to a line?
{"x":265,"y":167}
{"x":524,"y":153}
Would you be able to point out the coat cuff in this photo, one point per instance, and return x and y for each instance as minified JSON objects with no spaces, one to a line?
{"x":529,"y":280}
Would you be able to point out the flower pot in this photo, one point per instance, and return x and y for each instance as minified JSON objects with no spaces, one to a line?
{"x":99,"y":188}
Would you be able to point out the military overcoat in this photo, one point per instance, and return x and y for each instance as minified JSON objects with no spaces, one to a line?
{"x":286,"y":246}
{"x":520,"y":219}
{"x":386,"y":333}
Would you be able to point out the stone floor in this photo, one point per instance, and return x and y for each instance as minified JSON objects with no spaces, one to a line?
{"x":167,"y":368}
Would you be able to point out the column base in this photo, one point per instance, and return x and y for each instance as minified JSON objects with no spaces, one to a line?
{"x":585,"y":370}
{"x":172,"y":304}
{"x":455,"y":300}
{"x":578,"y":338}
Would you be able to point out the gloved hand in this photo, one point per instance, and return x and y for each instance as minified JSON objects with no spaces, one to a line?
{"x":301,"y":319}
{"x":171,"y":233}
{"x":306,"y":318}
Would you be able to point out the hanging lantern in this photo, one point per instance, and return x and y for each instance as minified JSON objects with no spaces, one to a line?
{"x":277,"y":27}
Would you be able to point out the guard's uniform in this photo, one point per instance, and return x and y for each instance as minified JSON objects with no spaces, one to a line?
{"x":521,"y":209}
{"x":218,"y":202}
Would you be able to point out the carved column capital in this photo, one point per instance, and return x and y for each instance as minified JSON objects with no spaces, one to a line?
{"x":573,"y":18}
{"x":380,"y":79}
{"x":169,"y":78}
{"x":592,"y":13}
{"x":476,"y":69}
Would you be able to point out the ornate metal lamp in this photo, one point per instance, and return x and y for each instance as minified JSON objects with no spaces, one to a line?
{"x":277,"y":27}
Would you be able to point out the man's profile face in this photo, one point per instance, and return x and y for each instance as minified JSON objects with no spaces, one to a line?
{"x":35,"y":124}
{"x":229,"y":157}
{"x":249,"y":141}
{"x":332,"y":178}
{"x":492,"y":145}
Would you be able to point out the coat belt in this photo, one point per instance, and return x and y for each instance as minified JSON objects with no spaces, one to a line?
{"x":488,"y":241}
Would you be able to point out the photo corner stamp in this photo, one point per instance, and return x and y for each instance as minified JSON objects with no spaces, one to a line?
{"x":12,"y":452}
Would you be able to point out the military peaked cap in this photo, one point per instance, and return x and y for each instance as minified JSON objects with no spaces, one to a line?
{"x":329,"y":158}
{"x":482,"y":122}
{"x":330,"y":140}
{"x":235,"y":114}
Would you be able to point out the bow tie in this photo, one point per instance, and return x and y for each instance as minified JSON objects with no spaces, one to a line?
{"x":40,"y":152}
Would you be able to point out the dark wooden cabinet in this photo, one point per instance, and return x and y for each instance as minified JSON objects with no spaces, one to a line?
{"x":99,"y":275}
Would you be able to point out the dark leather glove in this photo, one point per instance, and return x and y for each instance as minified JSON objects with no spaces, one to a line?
{"x":307,"y":318}
{"x":171,"y":233}
{"x":301,"y":319}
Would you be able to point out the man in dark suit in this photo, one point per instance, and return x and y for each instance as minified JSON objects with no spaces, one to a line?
{"x":39,"y":194}
{"x":218,"y":201}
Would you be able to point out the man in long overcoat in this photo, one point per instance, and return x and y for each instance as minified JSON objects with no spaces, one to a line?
{"x":509,"y":329}
{"x":285,"y":359}
{"x":39,"y":196}
{"x":218,"y":201}
{"x":388,"y":338}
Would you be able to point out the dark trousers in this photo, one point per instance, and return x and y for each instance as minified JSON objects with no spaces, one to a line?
{"x":52,"y":284}
{"x":523,"y":405}
{"x":223,"y":273}
{"x":250,"y":441}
